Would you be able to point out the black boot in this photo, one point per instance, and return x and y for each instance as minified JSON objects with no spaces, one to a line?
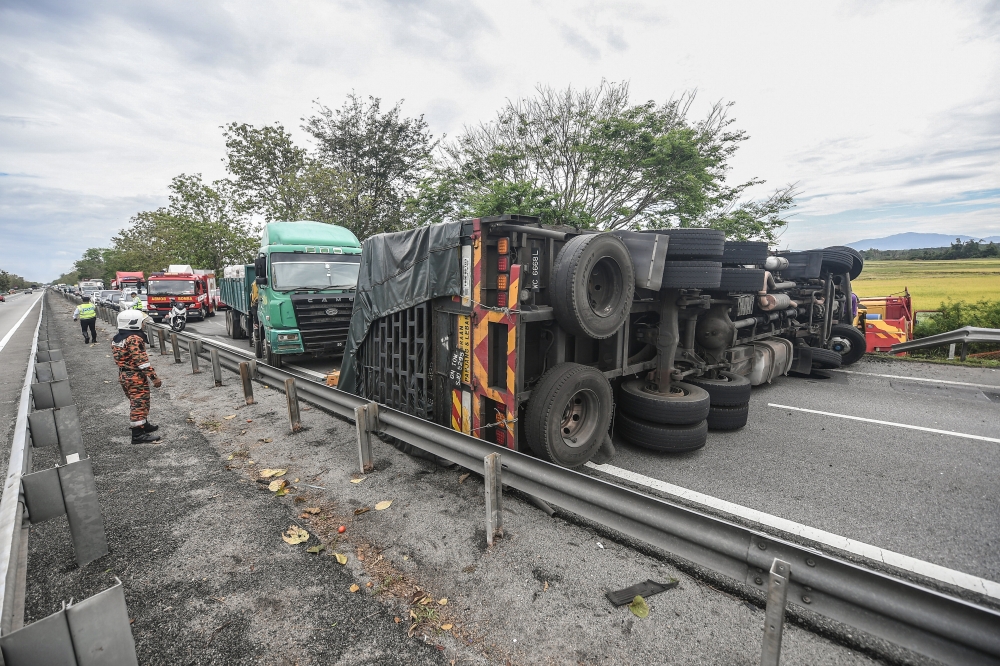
{"x":139,"y":436}
{"x":149,"y":427}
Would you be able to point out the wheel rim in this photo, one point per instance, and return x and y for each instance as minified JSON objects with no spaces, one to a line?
{"x":579,"y":418}
{"x":840,"y":345}
{"x":653,"y":389}
{"x":605,"y":287}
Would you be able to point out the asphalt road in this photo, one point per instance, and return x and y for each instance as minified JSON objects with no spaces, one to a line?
{"x":14,"y":360}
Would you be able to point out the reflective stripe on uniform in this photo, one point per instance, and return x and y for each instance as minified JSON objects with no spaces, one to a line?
{"x":143,"y":366}
{"x":87,"y":310}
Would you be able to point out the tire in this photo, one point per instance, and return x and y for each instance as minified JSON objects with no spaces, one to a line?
{"x":728,"y":418}
{"x":728,"y":390}
{"x":826,"y":359}
{"x":229,"y":326}
{"x":258,"y":345}
{"x":691,"y":275}
{"x":570,"y":402}
{"x":234,"y":326}
{"x":742,"y":279}
{"x":837,"y":261}
{"x":272,"y":359}
{"x":857,"y":265}
{"x":849,"y":342}
{"x":593,"y":283}
{"x":686,"y":404}
{"x":693,"y":243}
{"x":661,"y":437}
{"x":745,"y":253}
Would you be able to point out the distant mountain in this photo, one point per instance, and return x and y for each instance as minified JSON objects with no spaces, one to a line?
{"x":913,"y":241}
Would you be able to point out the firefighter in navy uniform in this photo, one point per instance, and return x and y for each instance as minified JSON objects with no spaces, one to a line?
{"x":135,"y":372}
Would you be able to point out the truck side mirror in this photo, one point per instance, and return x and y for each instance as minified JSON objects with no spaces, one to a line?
{"x":260,"y":268}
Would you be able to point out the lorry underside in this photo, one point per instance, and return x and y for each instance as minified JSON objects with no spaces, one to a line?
{"x":557,"y":332}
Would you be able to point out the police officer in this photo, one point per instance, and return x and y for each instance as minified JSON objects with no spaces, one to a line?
{"x":135,"y":372}
{"x":87,"y":314}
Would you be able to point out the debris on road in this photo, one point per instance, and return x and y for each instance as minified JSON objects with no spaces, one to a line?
{"x":646,"y":589}
{"x":639,"y":607}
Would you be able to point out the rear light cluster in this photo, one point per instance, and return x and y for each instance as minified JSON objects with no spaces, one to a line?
{"x":503,"y":266}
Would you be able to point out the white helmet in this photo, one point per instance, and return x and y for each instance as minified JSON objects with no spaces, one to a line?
{"x":131,"y":320}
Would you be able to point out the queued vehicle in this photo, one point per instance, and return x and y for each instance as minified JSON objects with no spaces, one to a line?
{"x":304,"y":276}
{"x":194,"y":288}
{"x":538,"y":337}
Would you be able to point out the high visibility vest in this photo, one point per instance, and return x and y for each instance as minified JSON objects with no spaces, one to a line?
{"x":87,"y":310}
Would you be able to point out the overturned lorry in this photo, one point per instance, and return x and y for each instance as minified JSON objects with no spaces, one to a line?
{"x":540,"y":337}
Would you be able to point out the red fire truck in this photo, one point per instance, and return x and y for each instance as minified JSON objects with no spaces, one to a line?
{"x":194,"y":288}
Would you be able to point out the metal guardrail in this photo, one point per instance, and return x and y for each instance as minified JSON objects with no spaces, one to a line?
{"x":964,"y":336}
{"x":916,"y":617}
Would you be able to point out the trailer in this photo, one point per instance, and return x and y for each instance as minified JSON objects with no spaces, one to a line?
{"x":539,"y":337}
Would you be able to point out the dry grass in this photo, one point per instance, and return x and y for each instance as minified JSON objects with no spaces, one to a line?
{"x":932,"y":282}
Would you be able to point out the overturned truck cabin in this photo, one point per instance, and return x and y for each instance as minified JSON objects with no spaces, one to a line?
{"x":540,"y":337}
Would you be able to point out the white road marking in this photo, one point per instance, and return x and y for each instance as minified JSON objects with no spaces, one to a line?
{"x":950,"y":433}
{"x":897,"y":560}
{"x":919,"y":379}
{"x":10,"y":333}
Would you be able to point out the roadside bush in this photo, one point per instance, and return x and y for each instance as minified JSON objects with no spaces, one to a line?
{"x":956,"y":314}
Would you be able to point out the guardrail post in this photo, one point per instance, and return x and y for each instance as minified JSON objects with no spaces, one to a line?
{"x":951,"y":352}
{"x":494,"y":497}
{"x":965,"y":348}
{"x":774,"y":615}
{"x":293,"y":405}
{"x":253,"y":369}
{"x":216,"y":367}
{"x":194,"y":347}
{"x":366,"y":422}
{"x":163,"y":341}
{"x":247,"y":382}
{"x":176,"y":347}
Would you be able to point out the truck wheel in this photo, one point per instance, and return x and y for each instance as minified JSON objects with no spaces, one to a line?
{"x":568,"y":414}
{"x":691,"y":274}
{"x":592,"y":285}
{"x":849,"y":342}
{"x":229,"y":326}
{"x":838,"y":261}
{"x":859,"y":262}
{"x":826,"y":359}
{"x":272,"y":359}
{"x":683,"y":405}
{"x":258,"y":346}
{"x":660,"y":436}
{"x":745,"y":253}
{"x":742,"y":279}
{"x":728,"y":418}
{"x":728,"y":390}
{"x":693,"y":243}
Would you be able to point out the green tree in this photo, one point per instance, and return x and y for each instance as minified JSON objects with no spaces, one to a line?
{"x":592,"y":158}
{"x":91,"y":265}
{"x":374,"y":161}
{"x":268,"y":170}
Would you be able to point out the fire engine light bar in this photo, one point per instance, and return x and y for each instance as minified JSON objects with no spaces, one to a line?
{"x":503,"y":264}
{"x":502,"y":282}
{"x":503,"y":245}
{"x":501,"y":299}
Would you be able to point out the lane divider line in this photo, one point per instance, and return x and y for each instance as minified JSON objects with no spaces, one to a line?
{"x":888,"y":557}
{"x":995,"y":387}
{"x":10,"y":333}
{"x":950,"y":433}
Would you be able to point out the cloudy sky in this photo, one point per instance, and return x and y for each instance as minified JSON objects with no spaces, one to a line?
{"x":886,"y":114}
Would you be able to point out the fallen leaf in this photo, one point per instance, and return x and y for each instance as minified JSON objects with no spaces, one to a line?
{"x":546,"y":586}
{"x":462,"y":478}
{"x":250,"y":462}
{"x":368,"y":584}
{"x":230,"y":456}
{"x":266,"y":473}
{"x":341,"y":559}
{"x":316,"y":549}
{"x":409,"y":632}
{"x":311,"y":509}
{"x":639,"y":607}
{"x":357,"y":480}
{"x":406,"y":557}
{"x":425,"y":601}
{"x":364,"y":509}
{"x":267,"y":440}
{"x":106,"y":381}
{"x":382,"y":506}
{"x":442,"y":602}
{"x":295,"y":535}
{"x":354,"y":588}
{"x":396,"y":620}
{"x":277,"y":485}
{"x":447,"y":627}
{"x":231,"y":416}
{"x":295,"y":481}
{"x":282,"y":492}
{"x":413,"y":616}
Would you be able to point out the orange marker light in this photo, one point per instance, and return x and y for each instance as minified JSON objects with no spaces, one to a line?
{"x":503,"y":245}
{"x":502,"y":282}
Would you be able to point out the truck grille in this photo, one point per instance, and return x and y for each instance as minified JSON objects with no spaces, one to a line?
{"x":321,"y":331}
{"x":395,"y":361}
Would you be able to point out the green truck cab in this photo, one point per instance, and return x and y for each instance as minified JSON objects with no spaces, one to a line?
{"x":297,"y":296}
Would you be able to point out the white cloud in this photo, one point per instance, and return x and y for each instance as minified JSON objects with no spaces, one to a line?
{"x":870,"y":107}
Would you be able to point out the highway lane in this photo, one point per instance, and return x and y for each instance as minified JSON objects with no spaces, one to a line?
{"x":923,"y":494}
{"x":18,"y":318}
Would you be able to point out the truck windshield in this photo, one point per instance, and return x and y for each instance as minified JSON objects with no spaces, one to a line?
{"x":308,"y":271}
{"x":171,"y":287}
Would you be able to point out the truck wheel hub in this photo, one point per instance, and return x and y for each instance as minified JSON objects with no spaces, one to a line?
{"x":605,"y":287}
{"x":840,"y":345}
{"x":577,"y":423}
